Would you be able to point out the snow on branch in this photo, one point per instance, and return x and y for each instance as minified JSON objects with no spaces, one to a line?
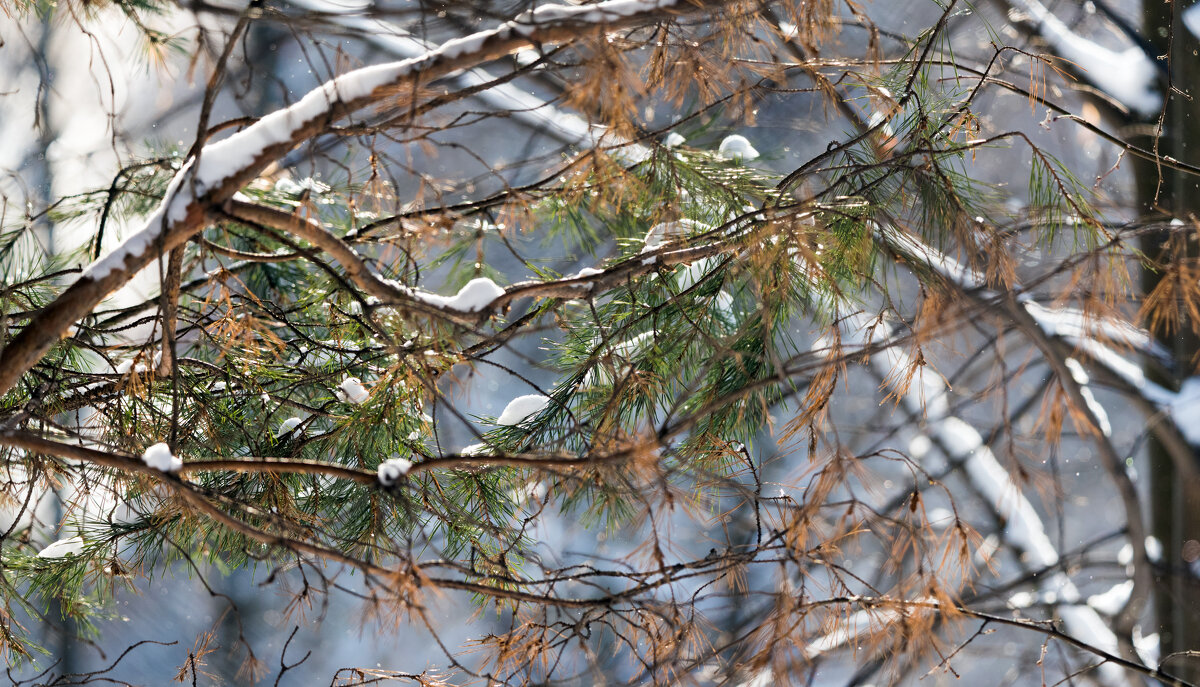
{"x":1129,"y":76}
{"x":1094,"y":335}
{"x":520,"y":105}
{"x":1024,"y":530}
{"x":223,"y":167}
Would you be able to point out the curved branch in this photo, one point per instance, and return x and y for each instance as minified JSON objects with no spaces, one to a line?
{"x":225,"y":166}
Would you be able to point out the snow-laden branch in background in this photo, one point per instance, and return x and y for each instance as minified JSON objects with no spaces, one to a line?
{"x":1096,"y":337}
{"x":1128,"y":76}
{"x":926,"y":395}
{"x":522,"y":106}
{"x":226,"y":158}
{"x":222,"y":168}
{"x":1191,"y":20}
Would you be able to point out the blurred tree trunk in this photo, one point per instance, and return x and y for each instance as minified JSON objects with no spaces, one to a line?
{"x":1162,"y":194}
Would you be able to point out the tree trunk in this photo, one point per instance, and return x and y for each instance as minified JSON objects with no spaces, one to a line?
{"x":1175,"y":508}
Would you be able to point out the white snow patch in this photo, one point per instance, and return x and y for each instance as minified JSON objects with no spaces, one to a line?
{"x":1147,"y":646}
{"x":521,"y":408}
{"x":919,"y":446}
{"x":1084,"y":624}
{"x":1191,"y":19}
{"x":159,"y":457}
{"x":1125,"y":554}
{"x":127,"y":366}
{"x":351,"y":390}
{"x":1154,"y":549}
{"x":474,"y":296}
{"x":391,"y":470}
{"x":287,"y":427}
{"x":286,"y":185}
{"x":526,"y":57}
{"x":1022,"y":600}
{"x":849,"y":630}
{"x":71,"y":546}
{"x":674,"y":140}
{"x":586,"y":272}
{"x":475,"y":450}
{"x":1081,"y":378}
{"x":1113,"y":601}
{"x":737,"y":147}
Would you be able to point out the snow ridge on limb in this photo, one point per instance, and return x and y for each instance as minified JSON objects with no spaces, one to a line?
{"x":1092,"y":335}
{"x":229,"y":164}
{"x":522,"y":106}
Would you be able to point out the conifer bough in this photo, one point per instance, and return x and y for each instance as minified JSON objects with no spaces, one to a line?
{"x":220,"y":169}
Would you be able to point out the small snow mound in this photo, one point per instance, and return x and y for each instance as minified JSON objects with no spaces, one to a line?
{"x":1022,"y":600}
{"x":737,"y":147}
{"x":521,"y":408}
{"x":1147,"y":646}
{"x":587,"y":272}
{"x":351,"y":390}
{"x":287,"y":427}
{"x":127,"y":365}
{"x":475,"y":450}
{"x":160,"y":458}
{"x":474,"y":296}
{"x":674,"y":140}
{"x":72,"y":546}
{"x":1125,"y":555}
{"x":391,"y":470}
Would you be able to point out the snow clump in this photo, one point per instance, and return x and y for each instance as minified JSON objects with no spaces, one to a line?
{"x":521,"y":408}
{"x":474,"y":296}
{"x":287,"y":427}
{"x":391,"y":470}
{"x":736,"y":147}
{"x":351,"y":390}
{"x":71,"y":546}
{"x":475,"y":450}
{"x":160,"y":458}
{"x":586,"y":272}
{"x":674,"y":140}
